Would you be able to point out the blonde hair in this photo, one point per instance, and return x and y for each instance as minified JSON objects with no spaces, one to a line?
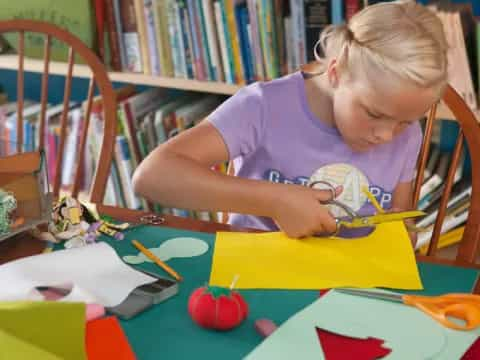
{"x":401,"y":37}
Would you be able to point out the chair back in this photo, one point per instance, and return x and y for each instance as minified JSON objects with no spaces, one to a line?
{"x":99,"y":81}
{"x":469,"y":136}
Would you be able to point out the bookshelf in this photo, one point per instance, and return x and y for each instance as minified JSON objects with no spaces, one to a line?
{"x":10,"y":62}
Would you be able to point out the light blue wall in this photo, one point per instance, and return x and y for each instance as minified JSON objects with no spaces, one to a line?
{"x":8,"y":80}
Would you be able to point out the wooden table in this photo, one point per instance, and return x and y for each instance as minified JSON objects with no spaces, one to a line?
{"x":24,"y":245}
{"x":171,"y":322}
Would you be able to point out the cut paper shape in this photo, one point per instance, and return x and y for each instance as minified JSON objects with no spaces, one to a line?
{"x":340,"y":347}
{"x":385,"y":258}
{"x":42,"y":330}
{"x":408,"y":332}
{"x":172,"y":248}
{"x":95,"y":272}
{"x":105,"y":339}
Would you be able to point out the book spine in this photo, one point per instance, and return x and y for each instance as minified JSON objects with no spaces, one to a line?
{"x":317,"y":17}
{"x":99,"y":6}
{"x":351,"y":8}
{"x":164,"y":31}
{"x":228,"y":43}
{"x":247,"y":43}
{"x":176,"y":42}
{"x":243,"y":41}
{"x":280,"y":35}
{"x":127,"y":170}
{"x":449,"y":223}
{"x":337,"y":12}
{"x":222,"y":42}
{"x":289,"y":44}
{"x":430,"y":218}
{"x":161,"y":35}
{"x":151,"y":37}
{"x":212,"y":39}
{"x":115,"y":57}
{"x":210,"y":71}
{"x":256,"y":42}
{"x":232,"y":33}
{"x":118,"y":27}
{"x":190,"y":61}
{"x":142,"y":35}
{"x":130,"y":37}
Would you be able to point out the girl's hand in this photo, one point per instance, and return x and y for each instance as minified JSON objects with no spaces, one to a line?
{"x":299,"y":213}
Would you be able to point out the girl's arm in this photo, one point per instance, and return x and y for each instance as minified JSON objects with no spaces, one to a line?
{"x":178,"y":174}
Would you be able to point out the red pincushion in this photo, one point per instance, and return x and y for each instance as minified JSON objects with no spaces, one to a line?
{"x":218,"y":308}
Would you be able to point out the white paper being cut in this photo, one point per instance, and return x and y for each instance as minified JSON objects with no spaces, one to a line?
{"x":95,"y":272}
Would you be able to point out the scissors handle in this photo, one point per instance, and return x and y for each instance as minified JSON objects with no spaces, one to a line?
{"x":464,"y":307}
{"x":152,"y":219}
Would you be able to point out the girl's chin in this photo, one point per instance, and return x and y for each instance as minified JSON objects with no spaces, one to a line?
{"x":361,"y":146}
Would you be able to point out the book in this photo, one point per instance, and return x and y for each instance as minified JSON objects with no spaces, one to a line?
{"x":142,"y":35}
{"x":438,"y":177}
{"x":131,"y":38}
{"x":151,"y":37}
{"x":447,"y":239}
{"x":454,"y":219}
{"x":160,"y":17}
{"x":317,"y":18}
{"x":430,"y":218}
{"x":113,"y":41}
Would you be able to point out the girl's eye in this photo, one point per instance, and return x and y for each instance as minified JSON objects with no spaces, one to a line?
{"x":372,"y":115}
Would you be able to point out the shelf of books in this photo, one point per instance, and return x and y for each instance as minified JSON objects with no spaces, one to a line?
{"x":10,"y":61}
{"x":211,"y":87}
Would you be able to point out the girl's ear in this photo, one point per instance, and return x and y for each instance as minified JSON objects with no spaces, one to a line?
{"x":332,"y":73}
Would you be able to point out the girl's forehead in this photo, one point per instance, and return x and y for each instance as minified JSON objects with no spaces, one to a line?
{"x":396,"y":99}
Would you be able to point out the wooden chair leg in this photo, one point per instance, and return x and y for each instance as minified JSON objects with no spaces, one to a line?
{"x":476,"y":288}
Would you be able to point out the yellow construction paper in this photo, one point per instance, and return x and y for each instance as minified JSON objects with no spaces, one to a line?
{"x":273,"y":261}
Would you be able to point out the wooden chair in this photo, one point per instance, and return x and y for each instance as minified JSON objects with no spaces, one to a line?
{"x":99,"y":78}
{"x":469,"y":133}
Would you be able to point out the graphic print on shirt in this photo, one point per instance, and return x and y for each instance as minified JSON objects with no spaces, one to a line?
{"x":348,"y":176}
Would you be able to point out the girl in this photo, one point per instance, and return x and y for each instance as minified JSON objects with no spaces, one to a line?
{"x":351,"y":119}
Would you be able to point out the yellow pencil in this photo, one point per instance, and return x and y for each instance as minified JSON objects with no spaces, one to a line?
{"x":156,"y":260}
{"x":373,"y":200}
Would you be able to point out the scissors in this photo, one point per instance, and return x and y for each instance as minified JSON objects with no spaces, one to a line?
{"x":354,"y":220}
{"x":152,"y":219}
{"x":463,"y":307}
{"x":149,"y":219}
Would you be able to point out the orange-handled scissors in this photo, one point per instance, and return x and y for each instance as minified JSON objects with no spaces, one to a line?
{"x":464,"y":307}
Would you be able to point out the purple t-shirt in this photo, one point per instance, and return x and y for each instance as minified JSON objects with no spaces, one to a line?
{"x":272,"y":135}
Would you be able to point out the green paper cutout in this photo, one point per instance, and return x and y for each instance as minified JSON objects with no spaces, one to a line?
{"x":42,"y":330}
{"x":218,"y":291}
{"x":173,"y":248}
{"x":410,"y":333}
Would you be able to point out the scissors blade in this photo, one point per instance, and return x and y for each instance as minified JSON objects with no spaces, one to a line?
{"x":372,"y":294}
{"x":364,"y":221}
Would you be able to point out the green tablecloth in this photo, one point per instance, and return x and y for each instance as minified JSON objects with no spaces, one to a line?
{"x":166,"y":331}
